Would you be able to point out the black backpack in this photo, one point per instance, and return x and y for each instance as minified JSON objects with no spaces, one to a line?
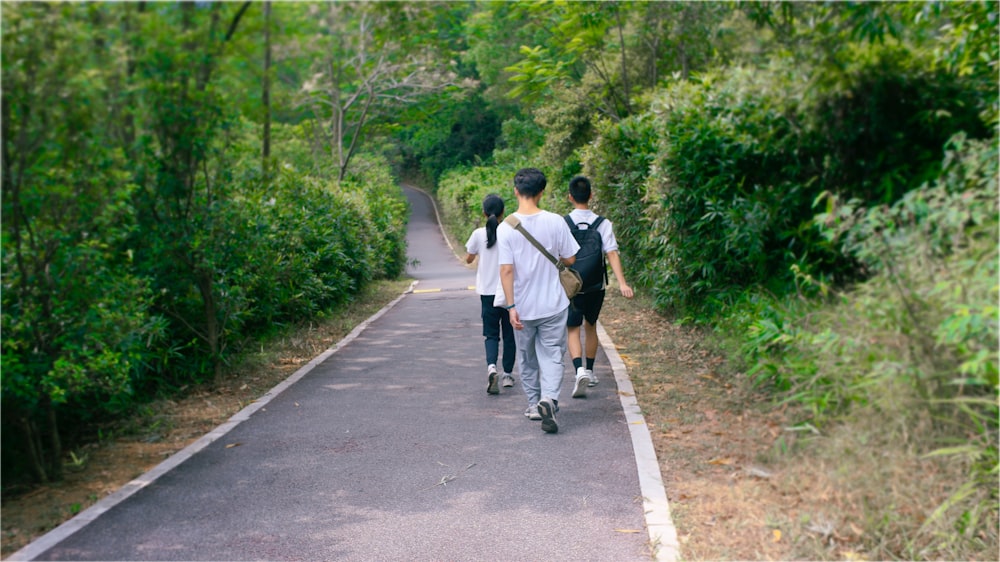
{"x":590,"y":258}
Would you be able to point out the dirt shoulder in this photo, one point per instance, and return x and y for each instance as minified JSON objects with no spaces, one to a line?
{"x":734,"y":491}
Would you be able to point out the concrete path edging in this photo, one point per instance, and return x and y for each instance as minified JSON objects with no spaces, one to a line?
{"x":60,"y":533}
{"x":662,"y":533}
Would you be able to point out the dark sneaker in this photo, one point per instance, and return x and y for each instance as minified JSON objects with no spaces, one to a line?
{"x":547,"y":410}
{"x":493,"y":387}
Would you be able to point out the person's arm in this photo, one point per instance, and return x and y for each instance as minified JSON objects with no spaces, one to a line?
{"x":472,"y":247}
{"x":507,"y":281}
{"x":616,"y":267}
{"x":569,"y":261}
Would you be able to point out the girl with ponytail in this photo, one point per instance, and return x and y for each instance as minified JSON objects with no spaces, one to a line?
{"x":496,"y":321}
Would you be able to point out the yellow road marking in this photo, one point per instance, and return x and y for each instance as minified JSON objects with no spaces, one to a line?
{"x":438,"y":290}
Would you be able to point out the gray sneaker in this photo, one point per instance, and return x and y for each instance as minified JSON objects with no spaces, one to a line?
{"x":581,"y":384}
{"x":494,"y":378}
{"x":548,"y":412}
{"x":532,"y":412}
{"x":508,"y":380}
{"x":593,"y":378}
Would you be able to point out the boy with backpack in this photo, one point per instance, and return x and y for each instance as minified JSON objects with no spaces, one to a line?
{"x":596,"y":238}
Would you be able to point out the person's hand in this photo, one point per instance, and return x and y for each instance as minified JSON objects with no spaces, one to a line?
{"x":626,"y":290}
{"x":515,"y":319}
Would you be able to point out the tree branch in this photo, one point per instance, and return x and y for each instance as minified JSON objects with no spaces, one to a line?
{"x":236,"y":21}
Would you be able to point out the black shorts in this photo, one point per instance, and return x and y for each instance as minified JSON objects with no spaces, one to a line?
{"x":585,"y":305}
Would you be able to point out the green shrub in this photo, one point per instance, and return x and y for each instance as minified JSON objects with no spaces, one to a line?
{"x":618,"y":164}
{"x":734,"y":186}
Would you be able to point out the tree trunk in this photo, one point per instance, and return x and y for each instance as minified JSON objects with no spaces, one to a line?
{"x":266,"y":95}
{"x":354,"y":138}
{"x":213,"y":336}
{"x":34,"y":450}
{"x":625,"y":85}
{"x":55,"y":443}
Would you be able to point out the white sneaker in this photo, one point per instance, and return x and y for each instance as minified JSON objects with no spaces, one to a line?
{"x":491,"y":373}
{"x":508,"y":380}
{"x":532,"y":412}
{"x":593,"y":378}
{"x":581,"y":384}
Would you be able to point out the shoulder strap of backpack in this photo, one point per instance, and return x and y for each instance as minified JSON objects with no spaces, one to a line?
{"x":572,"y":225}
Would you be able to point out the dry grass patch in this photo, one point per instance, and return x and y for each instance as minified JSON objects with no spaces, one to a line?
{"x":745,"y":483}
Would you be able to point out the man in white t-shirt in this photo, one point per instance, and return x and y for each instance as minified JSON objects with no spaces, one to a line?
{"x":535,"y":298}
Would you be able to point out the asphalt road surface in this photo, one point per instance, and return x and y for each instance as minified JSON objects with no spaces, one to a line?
{"x":388,"y":447}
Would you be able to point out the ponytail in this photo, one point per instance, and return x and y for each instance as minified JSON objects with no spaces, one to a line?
{"x":492,"y":208}
{"x":491,"y":230}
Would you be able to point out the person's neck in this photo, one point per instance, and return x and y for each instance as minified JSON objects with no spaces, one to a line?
{"x":581,"y":206}
{"x":528,"y":206}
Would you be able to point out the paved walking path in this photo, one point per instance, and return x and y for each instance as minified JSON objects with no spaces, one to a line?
{"x":387,"y":447}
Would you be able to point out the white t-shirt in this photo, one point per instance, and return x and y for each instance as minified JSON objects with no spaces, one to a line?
{"x":488,"y":270}
{"x":537,"y":291}
{"x":583,"y":218}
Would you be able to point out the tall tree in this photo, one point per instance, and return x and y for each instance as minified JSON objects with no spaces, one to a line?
{"x":363,"y":71}
{"x":180,"y":195}
{"x":75,"y":314}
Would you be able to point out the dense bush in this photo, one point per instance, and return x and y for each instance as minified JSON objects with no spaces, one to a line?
{"x":718,"y":182}
{"x":457,"y":134}
{"x":726,"y":191}
{"x":120,"y":321}
{"x":618,"y":164}
{"x":879,"y":123}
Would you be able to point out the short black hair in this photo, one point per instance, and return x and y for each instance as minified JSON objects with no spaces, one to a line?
{"x":579,"y":189}
{"x":529,"y":181}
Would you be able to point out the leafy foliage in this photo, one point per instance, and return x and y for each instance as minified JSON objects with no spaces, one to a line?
{"x":143,"y":243}
{"x":917,"y":340}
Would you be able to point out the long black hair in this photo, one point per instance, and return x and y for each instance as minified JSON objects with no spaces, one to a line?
{"x":492,"y":208}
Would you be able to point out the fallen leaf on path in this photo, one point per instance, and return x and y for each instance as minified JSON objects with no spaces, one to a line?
{"x":758,"y":472}
{"x":777,"y":535}
{"x":627,"y":531}
{"x":721,"y":461}
{"x":231,"y":445}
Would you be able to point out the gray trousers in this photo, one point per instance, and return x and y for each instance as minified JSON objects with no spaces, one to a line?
{"x":541,"y":346}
